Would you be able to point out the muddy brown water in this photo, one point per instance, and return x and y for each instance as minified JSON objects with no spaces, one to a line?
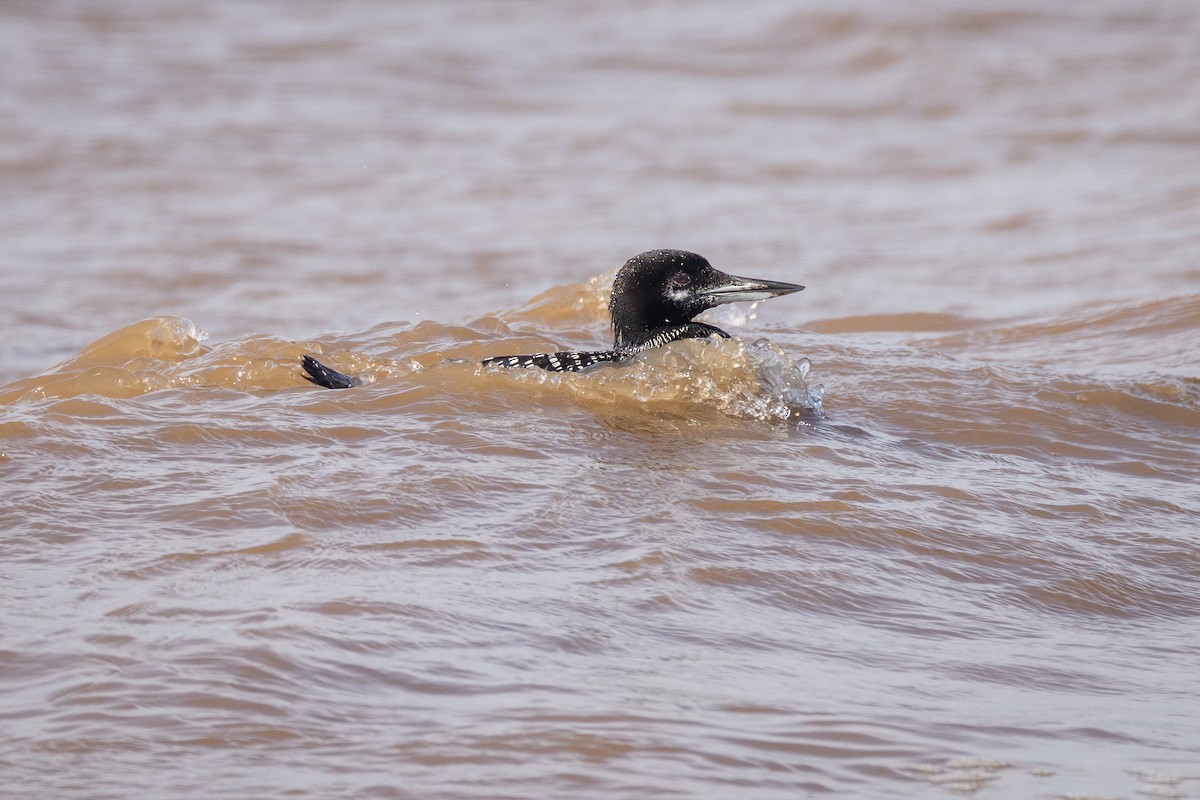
{"x":927,"y":529}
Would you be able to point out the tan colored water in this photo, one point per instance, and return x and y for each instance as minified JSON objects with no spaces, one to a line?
{"x":978,"y":573}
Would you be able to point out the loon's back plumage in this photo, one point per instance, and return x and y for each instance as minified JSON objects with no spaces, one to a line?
{"x":573,"y":361}
{"x":654,"y":297}
{"x":562,"y":361}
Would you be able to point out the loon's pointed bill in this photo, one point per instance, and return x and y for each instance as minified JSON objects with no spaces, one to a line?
{"x":741,"y":290}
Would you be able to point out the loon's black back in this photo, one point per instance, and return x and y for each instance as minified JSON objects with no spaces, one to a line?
{"x":654,"y":297}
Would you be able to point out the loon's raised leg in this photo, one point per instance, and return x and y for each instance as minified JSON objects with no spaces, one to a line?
{"x":322,"y":375}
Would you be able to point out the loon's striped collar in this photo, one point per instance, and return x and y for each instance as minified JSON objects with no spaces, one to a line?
{"x":654,"y":297}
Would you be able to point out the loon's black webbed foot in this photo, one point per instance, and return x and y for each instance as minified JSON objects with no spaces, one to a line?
{"x":322,"y":375}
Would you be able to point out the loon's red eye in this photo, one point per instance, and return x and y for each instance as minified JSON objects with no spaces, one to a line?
{"x":680,"y":280}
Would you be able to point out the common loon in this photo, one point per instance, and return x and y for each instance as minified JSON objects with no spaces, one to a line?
{"x":654,"y":297}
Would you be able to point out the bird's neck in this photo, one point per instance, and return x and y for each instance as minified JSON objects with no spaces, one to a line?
{"x":633,"y":339}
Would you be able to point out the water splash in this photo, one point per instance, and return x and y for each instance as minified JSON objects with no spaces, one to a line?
{"x":786,"y":379}
{"x":734,"y":315}
{"x":752,"y":381}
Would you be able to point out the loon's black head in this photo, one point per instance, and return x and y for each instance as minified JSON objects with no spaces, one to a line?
{"x":661,"y":288}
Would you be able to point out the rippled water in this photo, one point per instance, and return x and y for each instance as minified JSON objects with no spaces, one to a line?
{"x":929,"y":528}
